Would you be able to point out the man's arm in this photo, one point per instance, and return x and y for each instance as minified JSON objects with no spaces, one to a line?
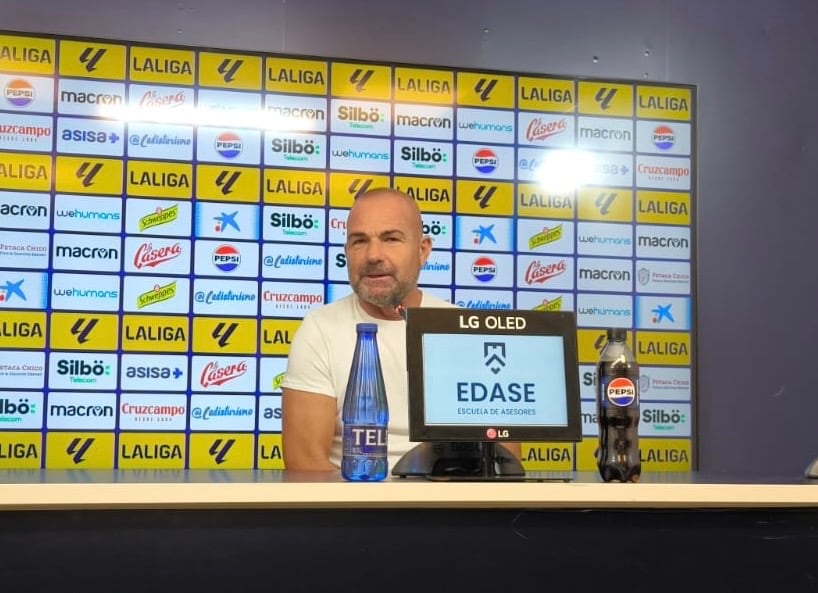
{"x":308,"y":430}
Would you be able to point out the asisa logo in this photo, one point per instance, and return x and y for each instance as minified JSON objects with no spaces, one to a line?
{"x":621,"y":391}
{"x":19,"y":92}
{"x":485,"y":160}
{"x":228,"y":144}
{"x":226,"y":258}
{"x":663,"y":137}
{"x":484,"y":269}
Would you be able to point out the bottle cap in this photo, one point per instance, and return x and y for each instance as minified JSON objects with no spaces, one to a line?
{"x":367,"y":327}
{"x":617,"y":333}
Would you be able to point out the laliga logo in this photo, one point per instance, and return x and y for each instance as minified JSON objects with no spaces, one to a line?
{"x":484,"y":269}
{"x":19,"y":92}
{"x":226,"y":258}
{"x":214,"y":375}
{"x":147,"y":256}
{"x":228,"y":144}
{"x":493,"y":433}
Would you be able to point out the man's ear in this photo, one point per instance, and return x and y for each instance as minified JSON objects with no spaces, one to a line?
{"x":425,"y":248}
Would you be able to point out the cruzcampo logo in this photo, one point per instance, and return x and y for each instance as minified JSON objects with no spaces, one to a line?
{"x":156,"y":295}
{"x":545,"y":236}
{"x":161,"y":216}
{"x":554,"y":304}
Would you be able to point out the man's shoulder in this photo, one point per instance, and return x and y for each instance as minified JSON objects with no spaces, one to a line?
{"x":333,"y":312}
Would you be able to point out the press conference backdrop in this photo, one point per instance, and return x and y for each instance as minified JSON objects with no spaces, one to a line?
{"x":169,"y":214}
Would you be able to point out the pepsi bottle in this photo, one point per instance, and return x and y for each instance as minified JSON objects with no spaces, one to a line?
{"x":617,"y":410}
{"x":366,"y":412}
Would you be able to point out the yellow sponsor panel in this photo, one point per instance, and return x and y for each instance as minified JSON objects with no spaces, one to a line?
{"x":535,"y":201}
{"x":662,"y":207}
{"x":221,"y":451}
{"x":163,"y":65}
{"x":590,"y":343}
{"x":605,"y":98}
{"x":305,"y":77}
{"x":345,"y":187}
{"x":269,"y":452}
{"x":663,"y":103}
{"x":92,"y":60}
{"x":73,"y":450}
{"x":546,"y":94}
{"x":547,"y":456}
{"x":230,"y":71}
{"x":21,"y":450}
{"x":365,"y":81}
{"x":30,"y":172}
{"x":162,"y":180}
{"x":605,"y":203}
{"x":85,"y":175}
{"x":432,"y":194}
{"x":483,"y":197}
{"x":32,"y":55}
{"x":301,"y":188}
{"x":277,"y":335}
{"x":420,"y":85}
{"x":155,"y":333}
{"x":228,"y":184}
{"x":663,"y":348}
{"x":665,"y":455}
{"x":586,"y":461}
{"x":485,"y":90}
{"x":225,"y":335}
{"x":151,"y":450}
{"x":84,"y":331}
{"x":22,"y":330}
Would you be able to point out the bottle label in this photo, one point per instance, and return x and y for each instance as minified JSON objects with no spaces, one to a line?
{"x":621,"y":392}
{"x":364,"y":440}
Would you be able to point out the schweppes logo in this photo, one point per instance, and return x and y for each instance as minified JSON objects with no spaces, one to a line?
{"x":269,"y":452}
{"x":151,"y":451}
{"x":84,"y":175}
{"x":485,"y":90}
{"x":534,"y":201}
{"x":424,"y":86}
{"x":71,"y":450}
{"x":92,"y":60}
{"x":172,"y":66}
{"x":234,"y":71}
{"x":605,"y":203}
{"x":546,"y":94}
{"x":545,"y":236}
{"x":481,"y":197}
{"x":22,"y":330}
{"x":25,"y":171}
{"x":220,"y":335}
{"x":554,"y":304}
{"x":27,"y":54}
{"x":277,"y":335}
{"x":361,"y":80}
{"x":656,"y":207}
{"x":154,"y":333}
{"x":169,"y":180}
{"x":221,"y":451}
{"x":307,"y":77}
{"x":157,"y":294}
{"x":432,"y":194}
{"x":21,"y":450}
{"x":303,"y":188}
{"x":345,"y":187}
{"x":227,"y":184}
{"x":547,"y":456}
{"x":663,"y":103}
{"x":603,"y":98}
{"x":663,"y":348}
{"x":84,"y":331}
{"x":159,"y":217}
{"x":665,"y":455}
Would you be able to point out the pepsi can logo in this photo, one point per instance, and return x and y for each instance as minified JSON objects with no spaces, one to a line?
{"x":228,"y":144}
{"x":226,"y":258}
{"x":19,"y":92}
{"x":484,"y":269}
{"x":663,"y":137}
{"x":485,"y":160}
{"x":621,"y":391}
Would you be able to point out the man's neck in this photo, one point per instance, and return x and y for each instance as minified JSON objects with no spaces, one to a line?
{"x":392,"y":313}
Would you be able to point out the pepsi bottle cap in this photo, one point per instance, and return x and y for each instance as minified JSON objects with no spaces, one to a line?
{"x":617,"y":333}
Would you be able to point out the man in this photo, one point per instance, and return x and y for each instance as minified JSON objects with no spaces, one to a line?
{"x":385,"y":251}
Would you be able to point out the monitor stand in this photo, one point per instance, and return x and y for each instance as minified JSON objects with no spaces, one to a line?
{"x":460,"y":461}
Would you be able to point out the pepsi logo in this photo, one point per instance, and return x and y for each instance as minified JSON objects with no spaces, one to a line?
{"x":663,"y":137}
{"x":621,"y":391}
{"x":226,"y":258}
{"x":19,"y":92}
{"x":228,"y":144}
{"x":485,"y":161}
{"x":484,"y":269}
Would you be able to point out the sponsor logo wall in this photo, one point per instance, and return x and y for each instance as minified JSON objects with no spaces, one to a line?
{"x":168,"y":215}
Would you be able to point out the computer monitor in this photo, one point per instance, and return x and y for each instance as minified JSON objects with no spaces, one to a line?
{"x":479,"y":378}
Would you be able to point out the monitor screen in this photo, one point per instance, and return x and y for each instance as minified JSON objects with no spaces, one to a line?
{"x":488,"y":375}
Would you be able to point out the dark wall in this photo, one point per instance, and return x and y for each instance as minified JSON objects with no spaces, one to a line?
{"x":754,"y":62}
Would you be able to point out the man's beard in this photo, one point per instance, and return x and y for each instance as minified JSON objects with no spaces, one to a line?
{"x":392,"y":298}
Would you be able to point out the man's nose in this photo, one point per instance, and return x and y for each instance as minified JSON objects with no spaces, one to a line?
{"x":374,"y":250}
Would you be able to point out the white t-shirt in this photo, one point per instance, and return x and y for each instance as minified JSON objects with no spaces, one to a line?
{"x":321,"y":355}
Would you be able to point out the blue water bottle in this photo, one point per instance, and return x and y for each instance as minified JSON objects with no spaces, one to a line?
{"x":366,"y":412}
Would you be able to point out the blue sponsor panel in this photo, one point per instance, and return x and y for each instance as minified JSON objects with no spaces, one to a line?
{"x":294,"y":224}
{"x":158,"y":103}
{"x":229,"y":221}
{"x":610,"y":168}
{"x":30,"y":133}
{"x":27,"y":211}
{"x":337,"y":226}
{"x":437,"y":270}
{"x":602,"y":133}
{"x":336,"y":291}
{"x":336,"y":264}
{"x":551,"y":130}
{"x":289,"y":261}
{"x":360,"y":154}
{"x":416,"y":157}
{"x":289,"y":149}
{"x":662,"y":242}
{"x":229,"y":108}
{"x":541,"y":300}
{"x":81,"y":411}
{"x":603,"y":238}
{"x":481,"y":233}
{"x":545,"y":236}
{"x":223,"y":374}
{"x":604,"y":310}
{"x":491,"y":126}
{"x":290,"y":299}
{"x":29,"y":94}
{"x":157,"y":255}
{"x":77,"y":135}
{"x":590,"y":426}
{"x":21,"y":410}
{"x":225,"y":297}
{"x":587,"y":383}
{"x":154,"y":372}
{"x":661,"y":172}
{"x":665,"y":384}
{"x":488,"y":270}
{"x":438,"y":291}
{"x":297,"y":113}
{"x":82,"y":370}
{"x":153,"y":411}
{"x":271,"y":373}
{"x":663,"y":313}
{"x":23,"y":290}
{"x":532,"y":163}
{"x":372,"y":118}
{"x":160,"y":141}
{"x":92,"y":97}
{"x":600,"y":274}
{"x":548,"y":272}
{"x":89,"y":253}
{"x":22,"y":369}
{"x":667,"y":277}
{"x":665,"y":420}
{"x":156,"y":294}
{"x":24,"y":250}
{"x":220,"y":145}
{"x":481,"y":161}
{"x":484,"y":299}
{"x":671,"y":138}
{"x":438,"y":227}
{"x":235,"y":259}
{"x":164,"y":218}
{"x":86,"y":214}
{"x":269,"y":413}
{"x":430,"y":122}
{"x":85,"y":292}
{"x":223,"y":413}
